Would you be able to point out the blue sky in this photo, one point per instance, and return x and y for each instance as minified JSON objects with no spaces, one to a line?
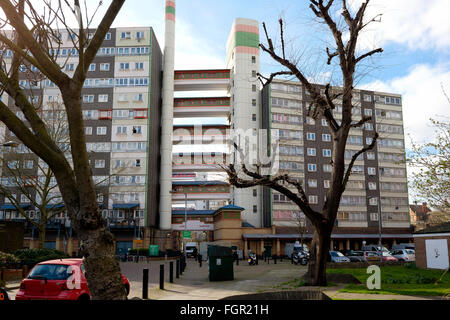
{"x":414,"y":34}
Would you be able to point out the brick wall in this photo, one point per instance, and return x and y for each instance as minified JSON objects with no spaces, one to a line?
{"x":421,"y":255}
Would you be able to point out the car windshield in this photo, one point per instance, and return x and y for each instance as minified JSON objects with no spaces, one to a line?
{"x":386,"y":254}
{"x":357,"y":253}
{"x":336,"y":254}
{"x":409,"y":251}
{"x":50,"y":272}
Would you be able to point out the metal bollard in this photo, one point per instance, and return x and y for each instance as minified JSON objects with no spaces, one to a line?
{"x":161,"y":277}
{"x":145,"y":284}
{"x":171,"y":272}
{"x":177,"y":273}
{"x":237,"y":261}
{"x":275,"y":259}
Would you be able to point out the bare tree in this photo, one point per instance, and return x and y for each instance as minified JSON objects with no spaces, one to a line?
{"x":322,"y":105}
{"x":35,"y":39}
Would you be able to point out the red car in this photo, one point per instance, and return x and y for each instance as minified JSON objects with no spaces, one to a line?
{"x":56,"y":280}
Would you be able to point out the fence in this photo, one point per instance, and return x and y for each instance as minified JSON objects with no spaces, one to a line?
{"x":11,"y":273}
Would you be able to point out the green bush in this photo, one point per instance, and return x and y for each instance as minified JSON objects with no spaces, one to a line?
{"x":6,"y":258}
{"x":30,"y":257}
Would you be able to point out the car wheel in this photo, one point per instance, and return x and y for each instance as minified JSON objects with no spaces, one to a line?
{"x":84,"y":297}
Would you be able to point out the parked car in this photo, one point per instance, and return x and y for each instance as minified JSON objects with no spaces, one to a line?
{"x":336,"y":256}
{"x":404,"y":254}
{"x":388,"y":257}
{"x":371,"y":255}
{"x":356,"y":256}
{"x":403,"y":246}
{"x":3,"y":295}
{"x":48,"y":280}
{"x":373,"y":247}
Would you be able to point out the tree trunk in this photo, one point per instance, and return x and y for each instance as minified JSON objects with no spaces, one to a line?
{"x":41,"y":237}
{"x":316,"y":275}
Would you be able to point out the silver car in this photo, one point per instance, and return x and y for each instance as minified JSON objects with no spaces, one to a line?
{"x":336,"y":256}
{"x":404,"y":254}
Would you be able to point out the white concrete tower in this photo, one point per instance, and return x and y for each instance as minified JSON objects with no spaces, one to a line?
{"x":165,"y":203}
{"x":243,"y":61}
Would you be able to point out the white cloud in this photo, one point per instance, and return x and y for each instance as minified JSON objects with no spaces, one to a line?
{"x":416,"y":23}
{"x":423,"y":98}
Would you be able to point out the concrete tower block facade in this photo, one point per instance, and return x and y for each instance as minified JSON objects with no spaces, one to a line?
{"x":167,"y":119}
{"x":243,"y":60}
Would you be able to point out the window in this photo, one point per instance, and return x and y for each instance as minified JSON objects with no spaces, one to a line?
{"x":253,"y":59}
{"x":326,"y":137}
{"x":137,"y":130}
{"x":125,"y":35}
{"x":310,"y":121}
{"x":326,"y":152}
{"x":312,"y":183}
{"x":369,"y":141}
{"x":139,"y":97}
{"x":140,"y":35}
{"x":373,"y":202}
{"x":102,"y":98}
{"x":124,"y":66}
{"x":326,"y":184}
{"x":137,"y":163}
{"x":28,"y":164}
{"x":324,"y":122}
{"x":368,"y":126}
{"x":70,"y":67}
{"x":88,"y":131}
{"x":254,"y":102}
{"x":311,"y":136}
{"x":255,"y":209}
{"x":100,"y":197}
{"x":372,"y":186}
{"x":139,"y":66}
{"x":253,"y":117}
{"x":255,"y":192}
{"x":254,"y":73}
{"x":101,"y":131}
{"x":313,"y":199}
{"x":367,"y":98}
{"x":88,"y":98}
{"x":91,"y":67}
{"x":254,"y":87}
{"x":371,"y":171}
{"x":121,"y":130}
{"x":104,"y":66}
{"x":370,"y":155}
{"x":327,"y":168}
{"x":312,"y":167}
{"x":311,"y":152}
{"x":24,"y":199}
{"x":99,"y":163}
{"x":108,"y":36}
{"x":368,"y":112}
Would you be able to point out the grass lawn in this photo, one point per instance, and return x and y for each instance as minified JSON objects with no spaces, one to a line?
{"x":404,"y":280}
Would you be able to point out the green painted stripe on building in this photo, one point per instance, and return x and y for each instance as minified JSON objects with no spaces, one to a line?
{"x":170,"y":9}
{"x":247,"y":39}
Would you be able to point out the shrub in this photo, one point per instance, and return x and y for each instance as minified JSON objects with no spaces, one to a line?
{"x":7,"y":258}
{"x":30,"y":257}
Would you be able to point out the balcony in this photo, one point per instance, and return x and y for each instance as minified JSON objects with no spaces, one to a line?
{"x":189,"y":162}
{"x":201,"y":80}
{"x":201,"y":107}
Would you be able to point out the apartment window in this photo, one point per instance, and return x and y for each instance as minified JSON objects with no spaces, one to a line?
{"x":326,"y":137}
{"x":104,"y":66}
{"x":24,"y":199}
{"x":124,"y":66}
{"x":253,"y":117}
{"x":313,"y":199}
{"x":369,"y":141}
{"x":254,"y":87}
{"x":254,"y":73}
{"x":311,"y":136}
{"x":255,"y":192}
{"x":367,"y":98}
{"x":99,"y":163}
{"x":108,"y":36}
{"x":13,"y":164}
{"x":254,"y":102}
{"x":137,"y":130}
{"x":370,"y":155}
{"x":139,"y":66}
{"x":311,"y":152}
{"x":326,"y":152}
{"x":101,"y":131}
{"x":368,"y":112}
{"x":371,"y":171}
{"x":368,"y":126}
{"x":70,"y":67}
{"x":374,"y":216}
{"x":100,"y":197}
{"x":91,"y":67}
{"x":121,"y":130}
{"x":102,"y":98}
{"x":88,"y":98}
{"x":373,"y":201}
{"x":137,"y":163}
{"x":324,"y":122}
{"x":312,"y":167}
{"x":326,"y":184}
{"x":139,"y":97}
{"x":372,"y":186}
{"x":28,"y":164}
{"x":125,"y":35}
{"x":253,"y":59}
{"x":310,"y":121}
{"x":327,"y":168}
{"x":88,"y":131}
{"x":255,"y":209}
{"x":140,"y":35}
{"x":312,"y":183}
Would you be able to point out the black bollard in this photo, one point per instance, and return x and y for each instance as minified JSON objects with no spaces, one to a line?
{"x":237,"y":261}
{"x":171,"y":272}
{"x":161,"y":277}
{"x":275,"y":259}
{"x":145,"y":284}
{"x":177,"y":268}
